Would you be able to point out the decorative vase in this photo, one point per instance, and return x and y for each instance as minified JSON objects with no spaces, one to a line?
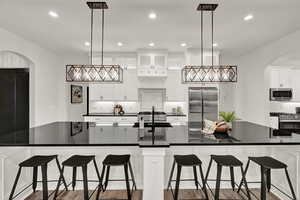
{"x":229,"y":125}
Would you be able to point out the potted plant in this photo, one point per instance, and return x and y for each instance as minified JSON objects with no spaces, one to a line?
{"x":228,"y":117}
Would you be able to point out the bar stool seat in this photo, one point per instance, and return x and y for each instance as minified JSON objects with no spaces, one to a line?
{"x":227,"y":160}
{"x":190,"y":160}
{"x":82,"y":161}
{"x":116,"y":160}
{"x":187,"y":160}
{"x":78,"y":160}
{"x":34,"y":162}
{"x":268,"y":162}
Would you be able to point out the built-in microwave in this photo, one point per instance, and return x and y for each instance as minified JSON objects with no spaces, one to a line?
{"x":281,"y":94}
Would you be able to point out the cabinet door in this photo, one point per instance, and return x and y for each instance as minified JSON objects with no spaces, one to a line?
{"x":295,"y":74}
{"x":101,"y":92}
{"x":274,"y":78}
{"x":284,"y":78}
{"x":94,"y":92}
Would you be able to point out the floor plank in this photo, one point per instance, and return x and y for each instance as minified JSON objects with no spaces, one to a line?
{"x":187,"y":194}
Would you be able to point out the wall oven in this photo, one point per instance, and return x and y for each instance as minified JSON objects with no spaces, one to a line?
{"x":281,"y":94}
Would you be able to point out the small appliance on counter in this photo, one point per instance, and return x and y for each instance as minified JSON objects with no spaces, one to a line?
{"x":281,"y":94}
{"x":118,"y":110}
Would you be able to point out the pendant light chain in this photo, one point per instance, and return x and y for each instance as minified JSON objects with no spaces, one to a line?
{"x":201,"y":38}
{"x":212,"y":38}
{"x":102,"y":36}
{"x":91,"y":42}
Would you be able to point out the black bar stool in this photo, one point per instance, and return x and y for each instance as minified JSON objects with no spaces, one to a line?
{"x":266,"y":164}
{"x":226,"y":161}
{"x":79,"y":161}
{"x":117,"y":160}
{"x":186,"y":161}
{"x":35,"y":162}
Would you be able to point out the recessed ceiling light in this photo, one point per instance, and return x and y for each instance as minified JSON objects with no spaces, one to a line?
{"x":215,"y":44}
{"x":120,"y":44}
{"x":152,"y":15}
{"x":53,"y":14}
{"x":248,"y":17}
{"x":87,"y":44}
{"x":151,"y":44}
{"x":183,"y":44}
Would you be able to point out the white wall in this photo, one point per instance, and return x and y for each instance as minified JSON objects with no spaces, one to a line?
{"x":252,"y":91}
{"x":47,"y":96}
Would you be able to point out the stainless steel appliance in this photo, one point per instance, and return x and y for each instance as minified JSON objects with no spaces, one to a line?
{"x":289,"y":122}
{"x":203,"y":104}
{"x":281,"y":94}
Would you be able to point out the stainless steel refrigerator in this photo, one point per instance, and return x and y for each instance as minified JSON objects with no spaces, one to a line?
{"x":203,"y":104}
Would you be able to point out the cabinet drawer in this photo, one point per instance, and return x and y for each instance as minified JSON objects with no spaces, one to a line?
{"x":99,"y":119}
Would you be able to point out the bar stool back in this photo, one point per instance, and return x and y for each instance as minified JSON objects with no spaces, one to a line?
{"x":267,"y":164}
{"x":79,"y":161}
{"x":186,"y":161}
{"x":117,"y":160}
{"x":226,"y":161}
{"x":35,"y":162}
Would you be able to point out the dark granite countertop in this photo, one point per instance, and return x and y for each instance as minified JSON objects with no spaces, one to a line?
{"x":90,"y":134}
{"x":110,"y":115}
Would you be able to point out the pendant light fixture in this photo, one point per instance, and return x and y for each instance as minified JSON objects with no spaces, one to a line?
{"x":204,"y":73}
{"x":95,"y":73}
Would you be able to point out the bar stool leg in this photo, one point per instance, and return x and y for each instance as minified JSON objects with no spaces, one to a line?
{"x":101,"y":182}
{"x":208,"y":170}
{"x":15,"y":184}
{"x":45,"y":182}
{"x":106,"y":177}
{"x":171,"y":175}
{"x":58,"y":183}
{"x":34,"y":178}
{"x":290,"y":184}
{"x":245,"y":182}
{"x":217,"y":192}
{"x":245,"y":172}
{"x":203,"y":182}
{"x":268,"y":179}
{"x":232,"y":178}
{"x":98,"y":174}
{"x":85,"y":183}
{"x":177,"y":182}
{"x":263,"y":195}
{"x":60,"y":170}
{"x":74,"y":173}
{"x":131,"y":174}
{"x":195,"y":177}
{"x":127,"y":182}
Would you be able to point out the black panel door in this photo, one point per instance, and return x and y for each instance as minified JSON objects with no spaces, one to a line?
{"x":14,"y":100}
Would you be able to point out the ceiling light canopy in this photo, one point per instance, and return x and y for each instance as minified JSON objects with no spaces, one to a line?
{"x":200,"y":74}
{"x":183,"y":44}
{"x":151,"y":44}
{"x":248,"y":17}
{"x":90,"y":72}
{"x":152,"y":15}
{"x":53,"y":14}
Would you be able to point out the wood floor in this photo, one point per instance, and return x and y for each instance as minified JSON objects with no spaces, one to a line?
{"x":121,"y":194}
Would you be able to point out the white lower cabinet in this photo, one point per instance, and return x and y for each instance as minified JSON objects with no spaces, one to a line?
{"x":121,"y":120}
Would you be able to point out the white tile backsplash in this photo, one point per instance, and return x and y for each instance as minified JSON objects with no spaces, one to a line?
{"x":170,"y":105}
{"x":107,"y":106}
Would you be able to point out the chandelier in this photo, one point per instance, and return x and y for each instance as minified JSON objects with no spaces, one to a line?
{"x":202,"y":73}
{"x":95,"y":73}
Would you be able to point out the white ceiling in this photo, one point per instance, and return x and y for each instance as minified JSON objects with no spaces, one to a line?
{"x":127,"y":22}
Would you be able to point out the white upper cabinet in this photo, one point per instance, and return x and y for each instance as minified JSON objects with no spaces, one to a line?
{"x":281,"y":78}
{"x":101,"y":92}
{"x":295,"y":84}
{"x":152,"y":64}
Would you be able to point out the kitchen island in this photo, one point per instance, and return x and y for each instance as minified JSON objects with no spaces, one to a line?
{"x":151,"y":162}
